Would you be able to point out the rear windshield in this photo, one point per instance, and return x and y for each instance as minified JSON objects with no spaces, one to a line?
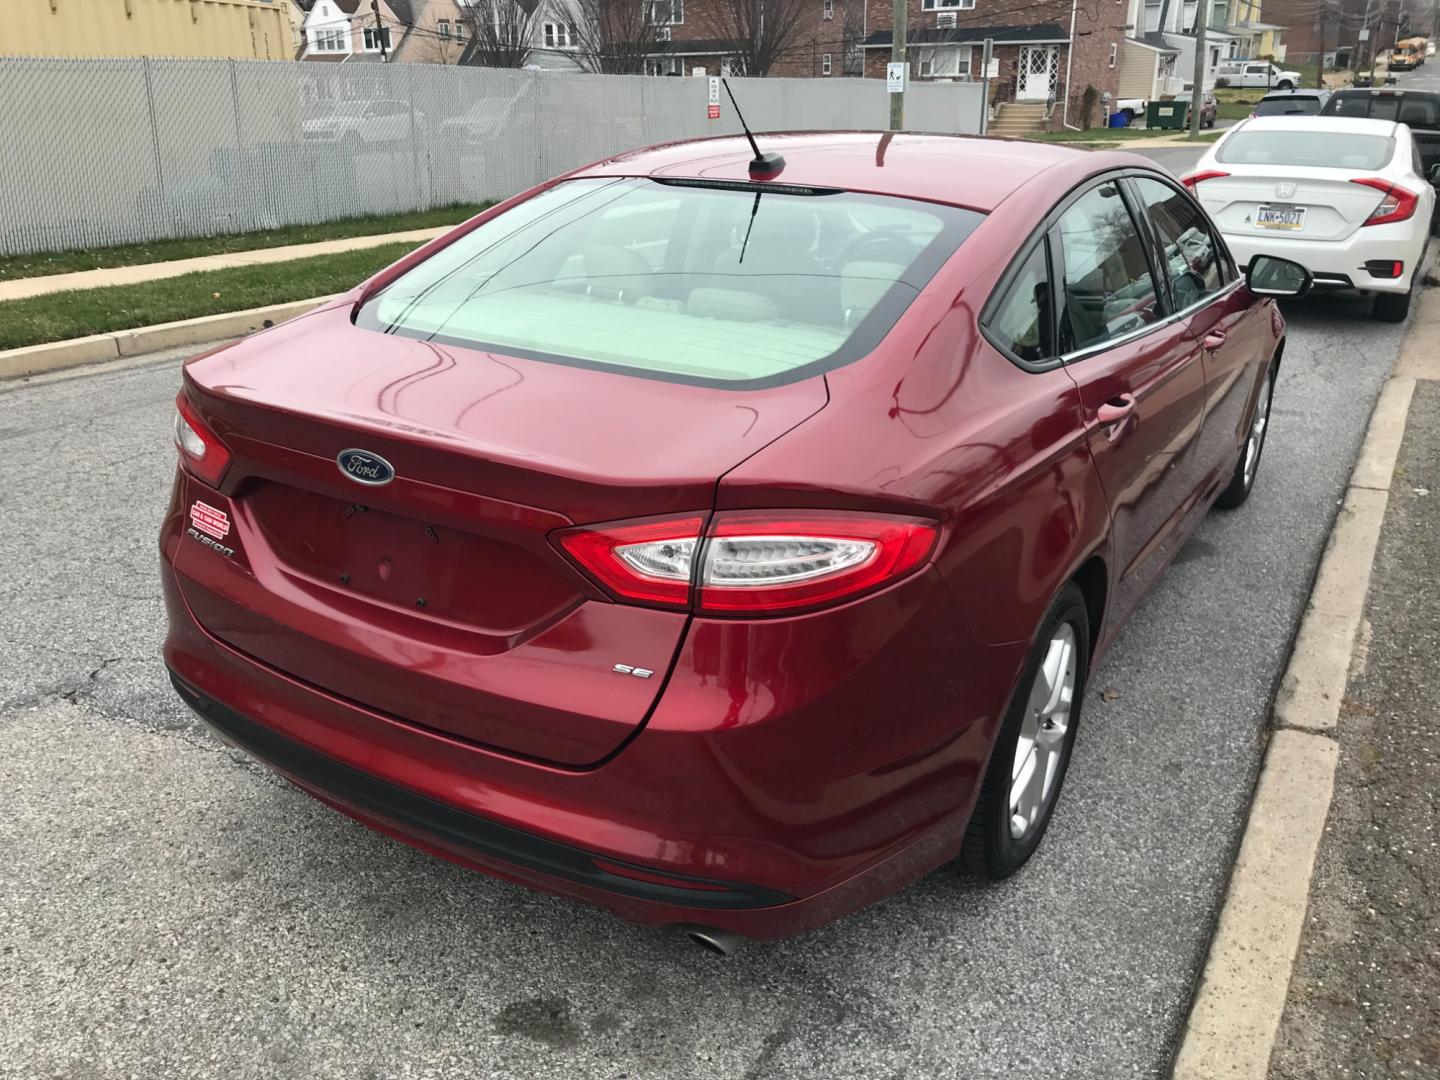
{"x":1404,"y":108}
{"x":716,"y":284}
{"x":1320,"y":149}
{"x":1288,"y":106}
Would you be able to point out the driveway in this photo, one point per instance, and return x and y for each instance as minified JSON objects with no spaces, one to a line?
{"x":169,"y":910}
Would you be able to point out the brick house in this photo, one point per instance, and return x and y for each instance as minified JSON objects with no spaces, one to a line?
{"x":1032,"y":41}
{"x":826,"y":42}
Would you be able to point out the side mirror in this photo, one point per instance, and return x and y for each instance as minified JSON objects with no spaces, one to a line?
{"x":1434,"y":173}
{"x":1270,"y":275}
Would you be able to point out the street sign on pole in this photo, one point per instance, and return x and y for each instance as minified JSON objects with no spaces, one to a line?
{"x":713,"y":110}
{"x":895,"y":78}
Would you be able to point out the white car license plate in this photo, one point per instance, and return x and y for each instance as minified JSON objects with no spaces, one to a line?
{"x":1289,"y":218}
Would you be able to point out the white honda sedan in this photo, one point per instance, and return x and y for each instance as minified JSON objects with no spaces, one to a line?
{"x":1345,"y":198}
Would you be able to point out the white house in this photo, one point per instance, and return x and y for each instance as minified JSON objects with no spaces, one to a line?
{"x":1159,"y":53}
{"x":330,"y":29}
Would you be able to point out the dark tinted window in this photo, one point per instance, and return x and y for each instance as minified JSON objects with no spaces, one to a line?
{"x":1021,"y":322}
{"x":1108,"y":288}
{"x":1192,"y":257}
{"x":1288,"y":106}
{"x":1406,"y":108}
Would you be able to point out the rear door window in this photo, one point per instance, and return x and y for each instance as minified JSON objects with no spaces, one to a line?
{"x":713,"y":281}
{"x":1108,"y":289}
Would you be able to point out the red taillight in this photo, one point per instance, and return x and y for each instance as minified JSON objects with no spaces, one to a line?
{"x":1196,"y":178}
{"x":1398,"y":203}
{"x":649,"y":561}
{"x":201,"y":451}
{"x":752,"y":561}
{"x":768,"y":561}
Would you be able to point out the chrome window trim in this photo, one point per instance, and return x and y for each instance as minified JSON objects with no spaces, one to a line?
{"x":1133,"y":335}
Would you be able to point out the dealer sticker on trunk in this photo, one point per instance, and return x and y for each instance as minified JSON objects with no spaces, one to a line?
{"x":209,"y":520}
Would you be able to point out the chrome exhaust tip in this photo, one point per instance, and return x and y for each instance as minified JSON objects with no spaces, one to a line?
{"x":720,"y":942}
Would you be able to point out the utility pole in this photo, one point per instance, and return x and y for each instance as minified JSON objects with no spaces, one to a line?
{"x":899,"y":30}
{"x":1197,"y":92}
{"x":380,"y":32}
{"x":1320,"y":67}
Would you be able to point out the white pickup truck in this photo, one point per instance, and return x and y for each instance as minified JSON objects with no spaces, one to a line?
{"x":1256,"y":75}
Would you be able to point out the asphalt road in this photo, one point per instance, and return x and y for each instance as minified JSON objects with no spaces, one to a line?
{"x":169,"y":910}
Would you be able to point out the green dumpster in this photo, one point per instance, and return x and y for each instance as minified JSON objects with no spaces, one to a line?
{"x":1167,"y":115}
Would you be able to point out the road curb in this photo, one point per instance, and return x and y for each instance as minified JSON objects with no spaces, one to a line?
{"x":59,"y":355}
{"x":1236,"y":1014}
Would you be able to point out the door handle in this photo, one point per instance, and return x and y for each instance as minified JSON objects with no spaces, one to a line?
{"x":1214,"y":340}
{"x":1116,"y":409}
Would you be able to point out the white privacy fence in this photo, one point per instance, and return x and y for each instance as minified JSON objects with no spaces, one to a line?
{"x":100,"y":152}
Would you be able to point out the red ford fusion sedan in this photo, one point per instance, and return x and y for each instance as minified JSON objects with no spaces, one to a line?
{"x":722,"y":542}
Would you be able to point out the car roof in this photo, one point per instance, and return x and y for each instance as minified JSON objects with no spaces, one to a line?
{"x":1295,"y":94}
{"x":1383,"y":91}
{"x":963,"y":170}
{"x":1339,"y":125}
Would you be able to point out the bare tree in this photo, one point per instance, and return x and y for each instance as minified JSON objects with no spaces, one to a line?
{"x":761,"y":32}
{"x":614,"y":37}
{"x":852,"y":39}
{"x":502,"y":32}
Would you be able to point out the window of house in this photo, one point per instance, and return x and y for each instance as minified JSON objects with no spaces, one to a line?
{"x":1108,"y":289}
{"x":935,"y":5}
{"x":1220,"y":13}
{"x":1192,"y":257}
{"x":828,"y":9}
{"x":375,"y":39}
{"x":558,"y":36}
{"x":459,"y":31}
{"x":1152,"y":15}
{"x":664,"y":66}
{"x":666,"y":12}
{"x":444,"y":27}
{"x":1020,"y":323}
{"x":1114,"y":53}
{"x":825,"y":64}
{"x":945,"y":62}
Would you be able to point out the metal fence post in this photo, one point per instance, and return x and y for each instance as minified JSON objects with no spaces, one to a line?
{"x":164,"y":199}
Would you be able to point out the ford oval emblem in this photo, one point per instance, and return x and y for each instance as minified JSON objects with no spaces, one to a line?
{"x":364,"y":467}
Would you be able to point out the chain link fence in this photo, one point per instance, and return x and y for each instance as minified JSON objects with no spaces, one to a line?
{"x":102,"y":152}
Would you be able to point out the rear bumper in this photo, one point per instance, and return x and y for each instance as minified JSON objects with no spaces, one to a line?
{"x":1341,"y":263}
{"x":753,"y":799}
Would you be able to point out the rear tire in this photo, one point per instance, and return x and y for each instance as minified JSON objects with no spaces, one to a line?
{"x":1393,"y":307}
{"x":1242,"y":480}
{"x":1032,"y":751}
{"x":1284,"y":84}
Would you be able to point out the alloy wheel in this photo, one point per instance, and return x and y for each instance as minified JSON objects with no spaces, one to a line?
{"x":1256,"y":440}
{"x":1040,"y":748}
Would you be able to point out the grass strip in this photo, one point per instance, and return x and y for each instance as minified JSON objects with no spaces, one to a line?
{"x":46,"y":263}
{"x":80,"y":312}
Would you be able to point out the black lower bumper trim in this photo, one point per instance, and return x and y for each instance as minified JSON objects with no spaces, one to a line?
{"x":440,"y":821}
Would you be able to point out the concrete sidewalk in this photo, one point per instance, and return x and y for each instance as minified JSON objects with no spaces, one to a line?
{"x":1364,"y":998}
{"x":131,"y":275}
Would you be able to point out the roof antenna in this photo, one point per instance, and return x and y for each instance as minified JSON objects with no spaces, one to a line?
{"x":762,"y":166}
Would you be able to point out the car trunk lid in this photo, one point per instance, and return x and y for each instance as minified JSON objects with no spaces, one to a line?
{"x":438,"y":598}
{"x":1329,"y":205}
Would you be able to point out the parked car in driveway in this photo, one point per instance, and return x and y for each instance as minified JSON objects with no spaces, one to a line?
{"x":1344,"y":198}
{"x":725,"y":542}
{"x":1257,"y":74}
{"x":1292,"y":103}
